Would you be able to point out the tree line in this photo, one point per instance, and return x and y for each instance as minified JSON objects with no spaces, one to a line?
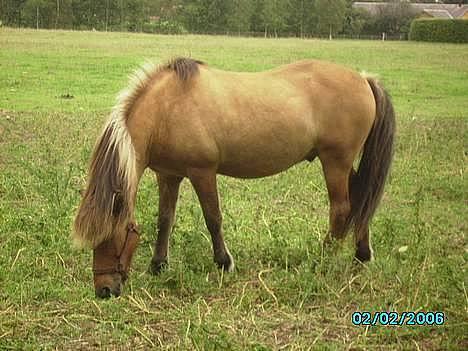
{"x":263,"y":17}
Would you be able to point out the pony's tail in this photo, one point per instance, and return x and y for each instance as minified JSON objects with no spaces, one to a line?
{"x":108,"y":201}
{"x":367,"y":184}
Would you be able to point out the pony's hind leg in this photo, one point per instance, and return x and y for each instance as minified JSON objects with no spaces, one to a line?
{"x":363,"y":245}
{"x":204,"y":183}
{"x":336,"y":171}
{"x":168,"y":194}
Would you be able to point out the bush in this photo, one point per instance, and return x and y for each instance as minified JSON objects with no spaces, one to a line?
{"x":163,"y":27}
{"x":438,"y":30}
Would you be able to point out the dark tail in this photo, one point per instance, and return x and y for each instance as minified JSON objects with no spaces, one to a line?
{"x":367,"y":184}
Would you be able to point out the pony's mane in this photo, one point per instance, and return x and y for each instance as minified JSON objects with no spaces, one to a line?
{"x":107,"y":203}
{"x":184,"y":68}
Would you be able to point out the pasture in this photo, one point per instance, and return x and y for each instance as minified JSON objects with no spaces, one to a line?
{"x":56,"y":91}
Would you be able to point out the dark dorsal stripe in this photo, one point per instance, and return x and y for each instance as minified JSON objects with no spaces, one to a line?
{"x":185,"y":68}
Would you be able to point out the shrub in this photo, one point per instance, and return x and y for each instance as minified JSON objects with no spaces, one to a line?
{"x":163,"y":27}
{"x":438,"y":30}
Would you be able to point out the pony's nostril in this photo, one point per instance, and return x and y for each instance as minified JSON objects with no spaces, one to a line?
{"x":103,"y":293}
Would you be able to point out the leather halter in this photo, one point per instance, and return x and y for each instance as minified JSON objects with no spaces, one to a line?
{"x":119,"y":267}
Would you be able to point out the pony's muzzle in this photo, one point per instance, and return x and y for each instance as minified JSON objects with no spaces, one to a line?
{"x":103,"y":293}
{"x":108,"y":290}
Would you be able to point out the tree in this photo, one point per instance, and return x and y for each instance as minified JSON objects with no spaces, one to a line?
{"x":239,"y":13}
{"x":330,"y":15}
{"x":256,"y":20}
{"x":394,"y":18}
{"x":355,"y":20}
{"x":11,"y":12}
{"x":301,"y":16}
{"x":63,"y":14}
{"x":36,"y":13}
{"x":215,"y":12}
{"x":88,"y":14}
{"x":274,"y":14}
{"x":204,"y":15}
{"x":167,"y":9}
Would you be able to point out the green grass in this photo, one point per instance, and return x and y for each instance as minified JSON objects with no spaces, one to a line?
{"x":285,"y":293}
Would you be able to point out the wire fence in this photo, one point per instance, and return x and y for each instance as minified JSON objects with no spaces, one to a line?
{"x":269,"y":35}
{"x":381,"y":36}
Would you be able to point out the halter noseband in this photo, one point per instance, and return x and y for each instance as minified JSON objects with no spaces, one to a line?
{"x":119,"y":267}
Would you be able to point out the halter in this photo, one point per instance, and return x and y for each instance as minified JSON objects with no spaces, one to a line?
{"x":119,"y":267}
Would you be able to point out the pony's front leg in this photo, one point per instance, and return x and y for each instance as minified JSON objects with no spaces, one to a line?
{"x":204,"y":183}
{"x":168,"y":194}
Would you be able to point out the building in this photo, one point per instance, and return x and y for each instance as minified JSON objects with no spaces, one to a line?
{"x":428,"y":10}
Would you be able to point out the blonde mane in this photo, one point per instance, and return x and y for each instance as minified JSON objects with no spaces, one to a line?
{"x":108,"y":201}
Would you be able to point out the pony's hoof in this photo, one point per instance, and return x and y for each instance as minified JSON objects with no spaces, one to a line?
{"x":363,"y":254}
{"x":156,"y":267}
{"x":226,"y":263}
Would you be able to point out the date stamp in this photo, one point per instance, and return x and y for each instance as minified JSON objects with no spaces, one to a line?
{"x":398,"y":319}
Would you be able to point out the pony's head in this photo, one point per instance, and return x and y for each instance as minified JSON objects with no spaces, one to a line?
{"x":106,"y":208}
{"x":111,"y":262}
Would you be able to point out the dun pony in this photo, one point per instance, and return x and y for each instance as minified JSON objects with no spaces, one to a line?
{"x":188,"y":120}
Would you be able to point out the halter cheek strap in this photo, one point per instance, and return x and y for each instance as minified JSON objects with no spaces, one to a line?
{"x":119,"y":267}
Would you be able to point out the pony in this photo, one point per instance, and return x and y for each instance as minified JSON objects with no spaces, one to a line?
{"x":185,"y":119}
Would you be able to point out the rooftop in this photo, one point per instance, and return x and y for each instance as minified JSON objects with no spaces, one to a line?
{"x":433,"y":9}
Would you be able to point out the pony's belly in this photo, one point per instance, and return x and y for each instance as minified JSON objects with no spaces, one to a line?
{"x":249,"y":173}
{"x":257,"y":168}
{"x":269,"y":146}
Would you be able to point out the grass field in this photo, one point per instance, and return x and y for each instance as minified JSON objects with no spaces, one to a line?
{"x":55,"y":93}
